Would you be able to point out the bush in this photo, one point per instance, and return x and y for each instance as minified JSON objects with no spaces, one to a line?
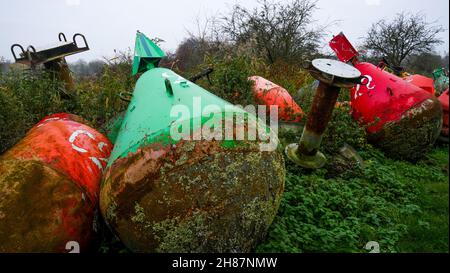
{"x":230,"y":77}
{"x":97,"y":98}
{"x":27,"y":97}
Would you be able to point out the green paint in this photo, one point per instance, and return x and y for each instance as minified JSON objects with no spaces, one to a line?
{"x":228,"y":144}
{"x":441,"y":79}
{"x":112,"y":128}
{"x":146,"y":54}
{"x":148,"y":117}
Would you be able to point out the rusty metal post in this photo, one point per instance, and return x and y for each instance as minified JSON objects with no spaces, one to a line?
{"x":61,"y":71}
{"x":332,"y":75}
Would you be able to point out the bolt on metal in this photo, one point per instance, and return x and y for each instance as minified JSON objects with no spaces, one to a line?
{"x":332,"y":75}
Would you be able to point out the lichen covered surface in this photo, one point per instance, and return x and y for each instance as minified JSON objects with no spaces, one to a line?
{"x":40,"y":209}
{"x":49,"y":186}
{"x":414,"y":134}
{"x":193,"y":196}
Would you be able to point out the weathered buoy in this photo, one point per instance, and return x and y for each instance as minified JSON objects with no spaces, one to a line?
{"x":49,"y":186}
{"x":401,"y":118}
{"x":164,"y":193}
{"x":269,"y":93}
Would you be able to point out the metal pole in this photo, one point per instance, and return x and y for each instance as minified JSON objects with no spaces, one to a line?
{"x":332,"y":75}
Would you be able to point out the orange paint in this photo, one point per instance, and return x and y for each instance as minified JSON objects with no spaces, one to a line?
{"x":50,"y":183}
{"x":269,"y":93}
{"x":49,"y":141}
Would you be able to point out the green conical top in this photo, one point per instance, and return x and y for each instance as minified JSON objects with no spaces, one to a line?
{"x":146,"y":54}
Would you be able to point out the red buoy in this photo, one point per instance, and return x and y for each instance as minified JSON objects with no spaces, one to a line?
{"x":49,"y":186}
{"x":401,"y":118}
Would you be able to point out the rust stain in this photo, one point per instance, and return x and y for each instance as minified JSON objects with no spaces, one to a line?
{"x":41,"y":209}
{"x":322,"y":108}
{"x":193,"y":196}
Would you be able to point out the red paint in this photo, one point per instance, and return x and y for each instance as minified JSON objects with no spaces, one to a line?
{"x":49,"y":141}
{"x":383,"y":97}
{"x":270,"y":93}
{"x":444,"y":102}
{"x":343,"y":48}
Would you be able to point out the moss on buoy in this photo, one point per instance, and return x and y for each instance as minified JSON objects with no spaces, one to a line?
{"x":194,"y":196}
{"x":413,"y":135}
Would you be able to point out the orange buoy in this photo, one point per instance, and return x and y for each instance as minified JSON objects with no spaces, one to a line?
{"x":269,"y":93}
{"x":49,"y":186}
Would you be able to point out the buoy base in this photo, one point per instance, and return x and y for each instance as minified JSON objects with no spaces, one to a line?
{"x":306,"y":161}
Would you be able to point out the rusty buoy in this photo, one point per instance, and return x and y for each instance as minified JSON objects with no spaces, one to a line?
{"x":49,"y":186}
{"x":164,"y":194}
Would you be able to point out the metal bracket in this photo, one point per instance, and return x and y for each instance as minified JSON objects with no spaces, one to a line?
{"x":33,"y":57}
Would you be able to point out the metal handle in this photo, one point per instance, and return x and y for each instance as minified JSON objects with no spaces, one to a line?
{"x":63,"y":35}
{"x":84,"y":39}
{"x":13,"y":53}
{"x":123,"y":96}
{"x":169,"y":88}
{"x":202,"y":74}
{"x":32,"y":48}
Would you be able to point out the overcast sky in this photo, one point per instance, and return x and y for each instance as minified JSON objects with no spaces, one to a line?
{"x":111,"y":24}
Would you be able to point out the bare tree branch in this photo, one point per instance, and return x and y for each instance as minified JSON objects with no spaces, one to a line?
{"x":406,"y":35}
{"x":279,"y":31}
